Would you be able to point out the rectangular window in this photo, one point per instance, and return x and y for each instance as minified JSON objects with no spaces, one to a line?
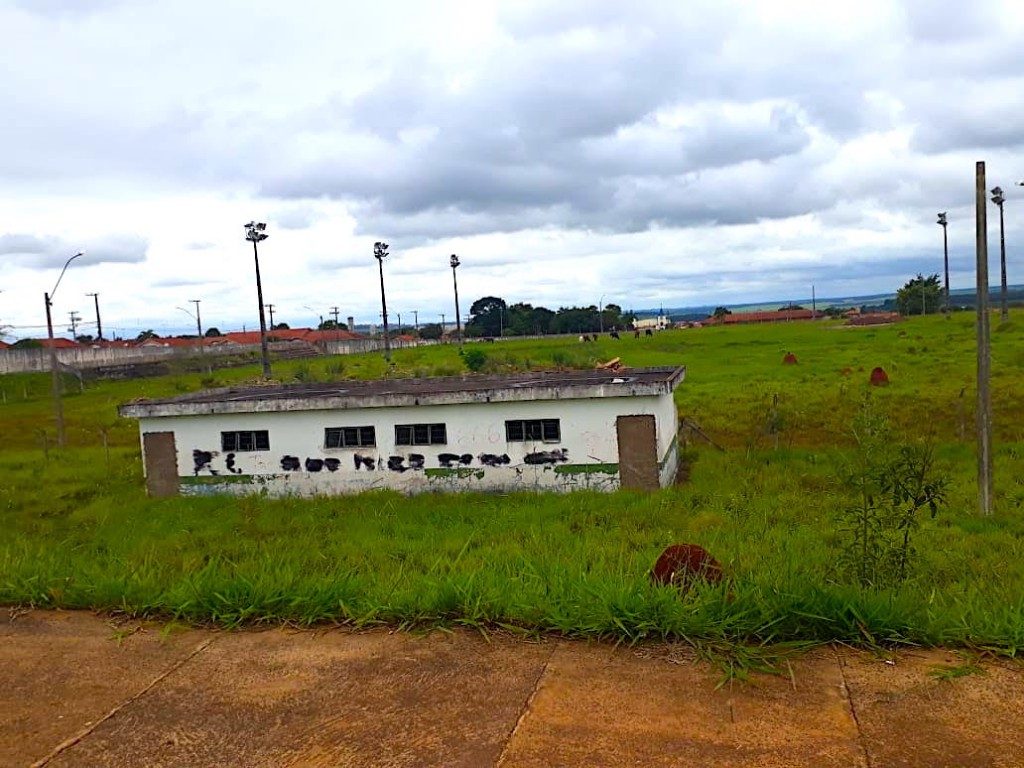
{"x":349,"y":437}
{"x":545,"y":430}
{"x":421,"y":434}
{"x":236,"y":442}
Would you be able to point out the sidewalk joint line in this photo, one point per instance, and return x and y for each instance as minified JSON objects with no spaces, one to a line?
{"x":526,"y":706}
{"x":72,"y":740}
{"x":853,"y":709}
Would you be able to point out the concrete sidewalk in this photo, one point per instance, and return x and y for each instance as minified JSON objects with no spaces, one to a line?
{"x":80,"y":690}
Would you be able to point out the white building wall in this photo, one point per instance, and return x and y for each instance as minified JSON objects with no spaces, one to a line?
{"x":588,"y":439}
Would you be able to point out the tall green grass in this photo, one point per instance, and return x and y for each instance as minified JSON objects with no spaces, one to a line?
{"x":78,"y":530}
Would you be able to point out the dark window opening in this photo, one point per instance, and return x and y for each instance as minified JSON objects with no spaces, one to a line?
{"x":236,"y":442}
{"x":349,"y":437}
{"x":544,"y":430}
{"x":421,"y":434}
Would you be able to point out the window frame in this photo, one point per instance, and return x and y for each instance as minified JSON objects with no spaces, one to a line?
{"x":533,"y":430}
{"x":342,"y":442}
{"x":233,"y":436}
{"x":421,"y":434}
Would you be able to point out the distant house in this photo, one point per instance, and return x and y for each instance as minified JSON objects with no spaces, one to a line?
{"x":775,"y":316}
{"x":659,"y":323}
{"x":544,"y":431}
{"x":874,"y":318}
{"x":59,"y":343}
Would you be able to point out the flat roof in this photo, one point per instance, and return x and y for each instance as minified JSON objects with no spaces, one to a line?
{"x":448,"y":390}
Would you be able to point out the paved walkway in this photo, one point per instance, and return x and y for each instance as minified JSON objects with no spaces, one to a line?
{"x":81,"y":690}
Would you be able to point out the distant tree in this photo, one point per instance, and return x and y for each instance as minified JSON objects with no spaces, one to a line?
{"x":147,"y":334}
{"x":85,"y":338}
{"x":790,"y":307}
{"x":212,"y":333}
{"x":430,"y":331}
{"x":332,"y":325}
{"x":920,"y":296}
{"x":721,"y":312}
{"x":27,"y":344}
{"x":486,"y":317}
{"x":280,"y":327}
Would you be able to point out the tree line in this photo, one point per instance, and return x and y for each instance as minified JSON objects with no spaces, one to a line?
{"x":493,"y":316}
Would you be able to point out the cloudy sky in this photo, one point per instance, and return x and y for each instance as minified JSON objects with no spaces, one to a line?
{"x":570,"y":151}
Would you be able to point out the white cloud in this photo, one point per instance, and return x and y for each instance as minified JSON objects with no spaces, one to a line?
{"x":649,"y":152}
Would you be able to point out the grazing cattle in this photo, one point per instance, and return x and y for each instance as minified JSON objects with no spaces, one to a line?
{"x":614,"y":334}
{"x":648,"y":332}
{"x":582,"y":338}
{"x":489,"y":339}
{"x":636,"y":334}
{"x":682,"y":564}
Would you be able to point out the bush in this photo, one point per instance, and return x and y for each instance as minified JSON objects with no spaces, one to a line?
{"x":475,"y":359}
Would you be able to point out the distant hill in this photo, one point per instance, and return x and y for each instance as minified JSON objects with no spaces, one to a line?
{"x":962,"y":297}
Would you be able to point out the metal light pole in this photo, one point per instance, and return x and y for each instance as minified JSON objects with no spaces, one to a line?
{"x":99,"y":325}
{"x":600,"y":312}
{"x":454,"y":261}
{"x":984,"y":414}
{"x":945,"y":254}
{"x":998,"y":198}
{"x":380,"y":252}
{"x":254,"y":233}
{"x":58,"y":406}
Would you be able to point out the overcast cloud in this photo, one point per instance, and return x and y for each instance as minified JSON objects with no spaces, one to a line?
{"x":570,"y":151}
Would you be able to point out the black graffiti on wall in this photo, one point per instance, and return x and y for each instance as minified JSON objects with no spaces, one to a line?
{"x":364,"y":461}
{"x":547,"y":457}
{"x":491,"y":460}
{"x":448,"y":460}
{"x":201,"y":460}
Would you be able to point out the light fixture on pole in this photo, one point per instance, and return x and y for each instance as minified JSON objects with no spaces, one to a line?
{"x":998,"y":198}
{"x":58,"y":406}
{"x":380,"y":252}
{"x":945,"y":255}
{"x":454,"y":261}
{"x":255,"y":233}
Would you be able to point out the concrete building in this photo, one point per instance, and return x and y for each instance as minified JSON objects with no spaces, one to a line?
{"x":557,"y":431}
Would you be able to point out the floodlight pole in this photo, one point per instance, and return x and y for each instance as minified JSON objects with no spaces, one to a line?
{"x":984,"y":352}
{"x":998,"y":198}
{"x":380,"y":252}
{"x":255,"y":232}
{"x":945,"y":255}
{"x":454,"y":261}
{"x":58,"y":406}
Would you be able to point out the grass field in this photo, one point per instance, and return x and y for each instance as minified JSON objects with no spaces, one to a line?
{"x":78,"y":530}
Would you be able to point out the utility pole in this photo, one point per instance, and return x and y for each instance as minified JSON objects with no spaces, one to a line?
{"x":416,"y":320}
{"x":99,"y":324}
{"x":334,"y":311}
{"x":442,"y":326}
{"x":984,"y":351}
{"x":75,"y":318}
{"x":399,"y":322}
{"x":814,"y":305}
{"x":199,"y":324}
{"x":270,"y":311}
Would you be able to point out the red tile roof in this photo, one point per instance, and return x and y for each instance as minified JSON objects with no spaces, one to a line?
{"x":775,"y":316}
